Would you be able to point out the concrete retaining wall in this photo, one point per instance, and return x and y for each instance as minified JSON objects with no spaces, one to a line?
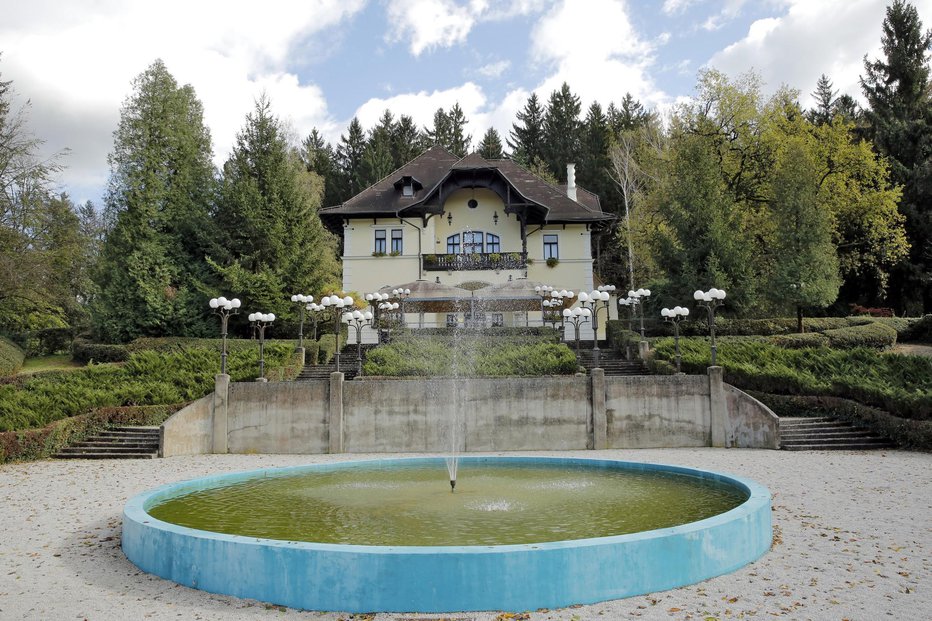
{"x":493,"y":414}
{"x":751,"y":424}
{"x":653,"y":411}
{"x":278,"y":417}
{"x":189,"y":431}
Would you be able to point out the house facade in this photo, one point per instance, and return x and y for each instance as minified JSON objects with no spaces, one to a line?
{"x":471,"y":238}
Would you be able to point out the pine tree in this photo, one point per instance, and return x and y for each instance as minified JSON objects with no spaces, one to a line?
{"x":526,"y":140}
{"x":377,"y":156}
{"x":153,"y":276}
{"x":631,"y":115}
{"x":562,"y":131}
{"x":268,"y":216}
{"x":490,"y":147}
{"x":825,"y":98}
{"x":407,"y":141}
{"x":900,"y":116}
{"x":441,"y":133}
{"x":459,"y":139}
{"x":349,"y":159}
{"x":318,"y":157}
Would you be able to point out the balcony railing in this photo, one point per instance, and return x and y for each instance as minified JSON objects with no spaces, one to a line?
{"x":475,"y":261}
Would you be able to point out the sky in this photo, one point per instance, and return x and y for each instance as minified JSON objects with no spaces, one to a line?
{"x":321,"y":62}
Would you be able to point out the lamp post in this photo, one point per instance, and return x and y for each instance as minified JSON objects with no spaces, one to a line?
{"x":357,"y":319}
{"x":314,"y":308}
{"x":638,"y":295}
{"x":675,"y":315}
{"x":336,"y":304}
{"x":631,"y":304}
{"x":261,"y":321}
{"x":387,"y":307}
{"x":402,"y":294}
{"x":302,"y":300}
{"x":591,"y":301}
{"x":577,"y":316}
{"x":374,"y":300}
{"x":544,"y":292}
{"x":710,"y":300}
{"x":224,"y":308}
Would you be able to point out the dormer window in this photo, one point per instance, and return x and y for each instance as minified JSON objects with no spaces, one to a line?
{"x":408,"y":186}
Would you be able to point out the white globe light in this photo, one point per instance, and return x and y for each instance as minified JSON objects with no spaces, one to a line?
{"x":567,"y":312}
{"x":368,"y":297}
{"x":228,"y":305}
{"x":685,"y":312}
{"x":583,"y":296}
{"x":698,"y":295}
{"x":294,"y":298}
{"x":632,"y":293}
{"x":707,"y":297}
{"x":367,"y":316}
{"x":665,"y":312}
{"x":570,"y":294}
{"x":537,"y":288}
{"x":348,"y":300}
{"x":395,"y":306}
{"x":252,"y":317}
{"x":326,"y":301}
{"x":236,"y":302}
{"x":721,"y":294}
{"x":214,"y":303}
{"x":586,"y":312}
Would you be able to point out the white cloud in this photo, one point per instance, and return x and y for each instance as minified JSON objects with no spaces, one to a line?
{"x":674,"y":7}
{"x":594,"y":47}
{"x":494,"y":70}
{"x":427,"y":24}
{"x":77,"y":62}
{"x":812,"y":38}
{"x":422,"y":105}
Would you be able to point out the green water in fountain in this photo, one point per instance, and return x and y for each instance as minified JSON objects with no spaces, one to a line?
{"x":493,"y":504}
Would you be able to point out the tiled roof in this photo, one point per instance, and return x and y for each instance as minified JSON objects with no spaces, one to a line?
{"x":385,"y":198}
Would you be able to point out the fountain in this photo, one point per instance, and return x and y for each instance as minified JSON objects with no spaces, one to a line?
{"x":560,"y":539}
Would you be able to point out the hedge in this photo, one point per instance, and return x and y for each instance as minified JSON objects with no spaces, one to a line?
{"x":874,"y":335}
{"x":11,"y":357}
{"x":86,"y":352}
{"x":149,"y":377}
{"x":916,"y":434}
{"x":899,"y":384}
{"x":41,"y":443}
{"x":919,"y":331}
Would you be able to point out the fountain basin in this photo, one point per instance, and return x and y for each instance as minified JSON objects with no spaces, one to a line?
{"x":366,"y":578}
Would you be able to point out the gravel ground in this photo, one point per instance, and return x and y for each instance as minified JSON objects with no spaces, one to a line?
{"x":852,"y":540}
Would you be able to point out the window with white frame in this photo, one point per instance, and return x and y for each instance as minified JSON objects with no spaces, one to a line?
{"x":379,"y":241}
{"x":492,"y":243}
{"x":551,"y":247}
{"x":397,"y":246}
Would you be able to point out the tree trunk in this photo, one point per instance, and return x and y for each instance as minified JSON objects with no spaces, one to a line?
{"x":799,"y":318}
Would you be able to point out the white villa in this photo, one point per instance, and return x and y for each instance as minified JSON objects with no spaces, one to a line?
{"x":471,"y":238}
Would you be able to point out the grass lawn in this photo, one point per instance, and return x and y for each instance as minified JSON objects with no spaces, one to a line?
{"x":60,"y":362}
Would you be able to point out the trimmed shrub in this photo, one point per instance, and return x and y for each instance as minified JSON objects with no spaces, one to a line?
{"x":874,"y":334}
{"x":11,"y":357}
{"x":920,"y":331}
{"x":85,"y":351}
{"x":799,"y":341}
{"x":899,"y":384}
{"x":46,"y":441}
{"x":326,"y":347}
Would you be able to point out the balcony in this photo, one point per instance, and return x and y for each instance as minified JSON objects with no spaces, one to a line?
{"x":475,"y":261}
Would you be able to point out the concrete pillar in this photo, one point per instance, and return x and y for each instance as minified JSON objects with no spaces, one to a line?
{"x":220,"y":413}
{"x":300,"y":351}
{"x":599,"y":418}
{"x":718,"y":407}
{"x":643,"y":349}
{"x":335,"y":424}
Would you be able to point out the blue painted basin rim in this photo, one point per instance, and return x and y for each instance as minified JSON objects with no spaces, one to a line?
{"x":353,"y":578}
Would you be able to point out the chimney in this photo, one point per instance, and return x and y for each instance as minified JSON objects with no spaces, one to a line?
{"x":571,"y":181}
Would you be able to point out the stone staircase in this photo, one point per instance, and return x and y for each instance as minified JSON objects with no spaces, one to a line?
{"x":116,"y":443}
{"x":611,"y":362}
{"x":347,"y":365}
{"x":823,"y":434}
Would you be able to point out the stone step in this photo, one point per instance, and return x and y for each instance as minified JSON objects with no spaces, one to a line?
{"x":147,"y":446}
{"x":825,"y":433}
{"x":105,"y":455}
{"x":77,"y":450}
{"x":128,"y":434}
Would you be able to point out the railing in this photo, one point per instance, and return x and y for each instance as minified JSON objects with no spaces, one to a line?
{"x":475,"y":261}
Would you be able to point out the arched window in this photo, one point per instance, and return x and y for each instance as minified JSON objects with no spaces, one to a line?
{"x":453,"y":244}
{"x":492,"y":243}
{"x":473,"y":242}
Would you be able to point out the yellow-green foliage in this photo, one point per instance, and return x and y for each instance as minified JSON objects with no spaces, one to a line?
{"x":467,"y":357}
{"x":176,"y":373}
{"x":901,"y":385}
{"x":11,"y":357}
